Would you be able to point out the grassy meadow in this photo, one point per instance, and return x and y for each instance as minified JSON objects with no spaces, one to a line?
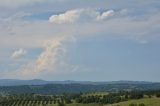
{"x":147,"y":101}
{"x":121,"y":98}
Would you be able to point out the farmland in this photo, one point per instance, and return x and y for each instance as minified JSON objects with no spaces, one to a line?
{"x":121,"y":98}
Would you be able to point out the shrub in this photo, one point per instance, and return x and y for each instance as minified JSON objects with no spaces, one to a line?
{"x":132,"y":104}
{"x":158,"y":95}
{"x":141,"y":104}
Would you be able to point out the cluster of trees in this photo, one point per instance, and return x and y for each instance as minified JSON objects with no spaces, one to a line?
{"x":61,"y":100}
{"x":111,"y":97}
{"x":36,"y":100}
{"x":56,"y":89}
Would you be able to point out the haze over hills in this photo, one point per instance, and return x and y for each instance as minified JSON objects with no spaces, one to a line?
{"x":16,"y":82}
{"x":38,"y":86}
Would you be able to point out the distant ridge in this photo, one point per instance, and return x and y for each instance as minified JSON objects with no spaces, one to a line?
{"x":16,"y":82}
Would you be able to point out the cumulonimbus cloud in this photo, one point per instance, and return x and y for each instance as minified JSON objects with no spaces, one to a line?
{"x":72,"y":16}
{"x":18,"y":53}
{"x":50,"y":60}
{"x":49,"y":57}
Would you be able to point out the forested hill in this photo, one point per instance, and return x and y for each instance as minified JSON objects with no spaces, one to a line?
{"x":76,"y":88}
{"x":16,"y":82}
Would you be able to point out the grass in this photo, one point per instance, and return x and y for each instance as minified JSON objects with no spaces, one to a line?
{"x":146,"y":101}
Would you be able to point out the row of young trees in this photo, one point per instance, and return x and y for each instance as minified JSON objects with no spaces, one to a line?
{"x":35,"y":99}
{"x":110,"y":98}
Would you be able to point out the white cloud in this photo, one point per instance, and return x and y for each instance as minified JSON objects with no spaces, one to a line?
{"x":50,"y":56}
{"x":19,"y":53}
{"x":72,"y":16}
{"x":33,"y":34}
{"x":105,"y":15}
{"x":51,"y":60}
{"x":68,"y":17}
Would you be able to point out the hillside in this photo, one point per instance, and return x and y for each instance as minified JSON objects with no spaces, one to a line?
{"x":146,"y":101}
{"x":17,"y":82}
{"x":75,"y":88}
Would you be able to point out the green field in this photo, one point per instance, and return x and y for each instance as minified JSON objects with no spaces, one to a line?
{"x":122,"y":98}
{"x":146,"y":101}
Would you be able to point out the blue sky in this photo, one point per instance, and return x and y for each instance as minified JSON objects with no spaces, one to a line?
{"x":91,"y":40}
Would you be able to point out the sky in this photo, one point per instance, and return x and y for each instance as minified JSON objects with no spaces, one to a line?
{"x":84,"y":40}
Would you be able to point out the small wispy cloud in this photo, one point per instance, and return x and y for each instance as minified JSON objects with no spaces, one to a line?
{"x":67,"y":17}
{"x":76,"y":15}
{"x":105,"y":15}
{"x":18,"y":53}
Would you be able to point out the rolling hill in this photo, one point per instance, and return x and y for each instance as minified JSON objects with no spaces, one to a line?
{"x":59,"y":87}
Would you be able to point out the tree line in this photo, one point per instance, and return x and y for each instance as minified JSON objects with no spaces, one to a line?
{"x":68,"y":98}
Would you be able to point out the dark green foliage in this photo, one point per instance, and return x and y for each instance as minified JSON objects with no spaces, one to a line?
{"x":136,"y":95}
{"x":61,"y":100}
{"x":158,"y":95}
{"x":61,"y":104}
{"x":142,"y":104}
{"x":132,"y":104}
